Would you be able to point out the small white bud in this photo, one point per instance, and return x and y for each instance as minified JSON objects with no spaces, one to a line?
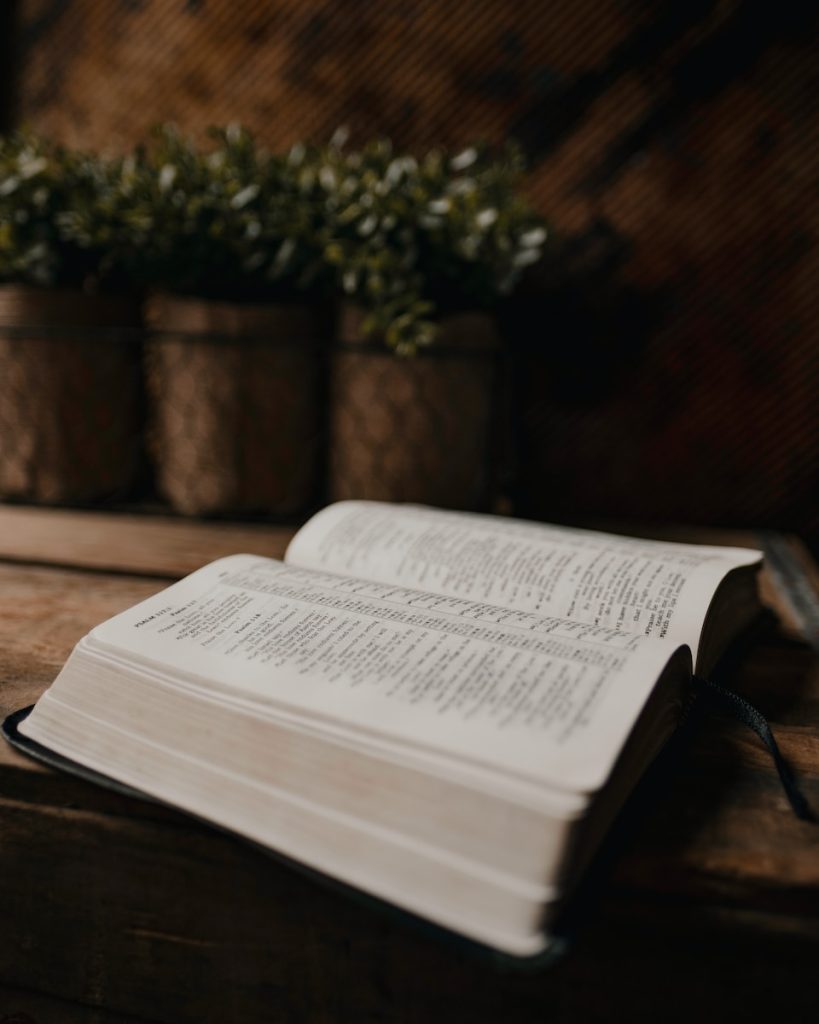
{"x":461,"y":186}
{"x":28,"y":166}
{"x":297,"y":154}
{"x":286,"y":250}
{"x":464,"y":159}
{"x":486,"y":218}
{"x":167,"y":176}
{"x":394,"y":172}
{"x":327,"y":177}
{"x":533,"y":237}
{"x":245,"y":196}
{"x":525,"y":258}
{"x":340,"y":136}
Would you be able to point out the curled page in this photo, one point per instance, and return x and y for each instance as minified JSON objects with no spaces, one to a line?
{"x":650,"y":588}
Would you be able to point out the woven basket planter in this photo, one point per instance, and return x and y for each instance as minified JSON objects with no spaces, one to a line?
{"x":234,"y":405}
{"x":70,"y":405}
{"x":415,"y":429}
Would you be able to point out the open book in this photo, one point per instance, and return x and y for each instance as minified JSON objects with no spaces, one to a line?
{"x":443,"y":710}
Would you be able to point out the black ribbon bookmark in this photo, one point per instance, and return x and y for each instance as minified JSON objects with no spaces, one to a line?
{"x":739,"y":708}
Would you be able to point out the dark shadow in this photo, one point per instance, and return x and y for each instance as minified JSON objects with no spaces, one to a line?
{"x":722,"y":57}
{"x":8,"y":65}
{"x":578,"y":314}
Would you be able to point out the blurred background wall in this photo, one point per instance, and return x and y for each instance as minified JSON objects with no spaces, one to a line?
{"x":670,"y":348}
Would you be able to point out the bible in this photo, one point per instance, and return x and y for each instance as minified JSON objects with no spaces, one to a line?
{"x":443,"y":710}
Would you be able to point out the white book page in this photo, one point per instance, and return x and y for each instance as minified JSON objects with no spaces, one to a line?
{"x":650,"y":588}
{"x":550,"y":704}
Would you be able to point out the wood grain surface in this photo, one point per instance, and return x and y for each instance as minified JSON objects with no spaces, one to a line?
{"x":134,"y":544}
{"x":129,"y":911}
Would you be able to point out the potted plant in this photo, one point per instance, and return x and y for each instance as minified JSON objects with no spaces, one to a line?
{"x":69,"y":362}
{"x":234,"y":258}
{"x":424,"y":251}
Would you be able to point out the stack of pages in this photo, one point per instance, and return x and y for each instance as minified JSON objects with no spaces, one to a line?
{"x":443,"y":710}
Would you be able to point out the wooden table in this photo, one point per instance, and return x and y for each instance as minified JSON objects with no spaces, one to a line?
{"x":116,"y":910}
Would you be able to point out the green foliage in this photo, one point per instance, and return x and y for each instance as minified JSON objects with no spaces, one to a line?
{"x":412,"y":240}
{"x":231,"y":221}
{"x":64,"y":217}
{"x":409,"y":240}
